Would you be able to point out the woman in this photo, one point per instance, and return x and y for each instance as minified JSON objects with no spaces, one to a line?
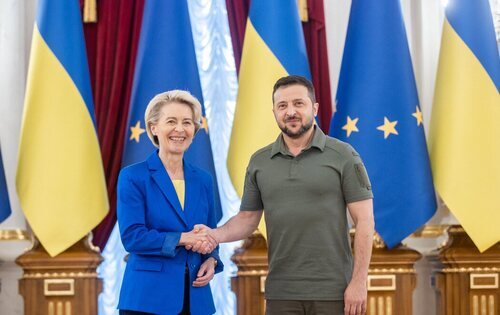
{"x":159,"y":202}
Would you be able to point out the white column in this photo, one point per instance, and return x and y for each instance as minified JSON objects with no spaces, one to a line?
{"x":424,"y":24}
{"x":16,"y":26}
{"x":336,"y":20}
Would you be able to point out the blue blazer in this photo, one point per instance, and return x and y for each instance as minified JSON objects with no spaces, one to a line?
{"x":151,"y":220}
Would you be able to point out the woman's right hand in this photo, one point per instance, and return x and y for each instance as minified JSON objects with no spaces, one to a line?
{"x":198,"y":240}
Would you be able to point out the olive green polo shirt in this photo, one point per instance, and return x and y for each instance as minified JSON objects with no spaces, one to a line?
{"x":304,"y":200}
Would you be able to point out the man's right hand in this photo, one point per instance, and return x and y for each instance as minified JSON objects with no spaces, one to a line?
{"x":199,"y":240}
{"x":238,"y":227}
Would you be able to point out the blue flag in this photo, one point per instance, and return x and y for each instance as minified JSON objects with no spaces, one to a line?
{"x":5,"y":209}
{"x":166,"y":60}
{"x":378,"y":112}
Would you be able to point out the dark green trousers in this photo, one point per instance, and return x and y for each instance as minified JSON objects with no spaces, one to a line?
{"x":292,"y":307}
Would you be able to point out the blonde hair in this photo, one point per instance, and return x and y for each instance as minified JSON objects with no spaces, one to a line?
{"x":152,"y":114}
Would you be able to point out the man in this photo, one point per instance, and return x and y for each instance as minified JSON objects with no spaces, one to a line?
{"x":303,"y":183}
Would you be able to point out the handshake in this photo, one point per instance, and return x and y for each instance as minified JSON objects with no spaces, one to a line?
{"x":201,"y":239}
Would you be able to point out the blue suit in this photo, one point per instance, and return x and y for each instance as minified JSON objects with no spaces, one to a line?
{"x":151,"y":220}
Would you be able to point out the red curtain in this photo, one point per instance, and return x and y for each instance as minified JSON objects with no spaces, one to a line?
{"x":315,"y":38}
{"x":237,"y":13}
{"x":112,"y":48}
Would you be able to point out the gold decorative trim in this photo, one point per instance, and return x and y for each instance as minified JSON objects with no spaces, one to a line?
{"x":373,"y":304}
{"x":52,"y":307}
{"x":392,"y":270}
{"x":263,"y":284}
{"x":431,"y":231}
{"x":427,"y":231}
{"x":491,"y":304}
{"x":388,"y":305}
{"x":56,"y":275}
{"x":456,"y":229}
{"x":371,"y":271}
{"x":14,"y":235}
{"x":252,"y":273}
{"x":378,"y":242}
{"x":469,"y":269}
{"x":68,"y":292}
{"x":492,"y":276}
{"x":380,"y":304}
{"x":390,"y":287}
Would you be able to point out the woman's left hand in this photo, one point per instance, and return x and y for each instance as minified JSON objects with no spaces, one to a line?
{"x":206,"y":273}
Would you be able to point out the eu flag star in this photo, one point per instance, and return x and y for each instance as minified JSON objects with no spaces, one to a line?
{"x":418,"y":116}
{"x":204,"y":124}
{"x":136,"y":131}
{"x":351,"y":126}
{"x":389,"y":127}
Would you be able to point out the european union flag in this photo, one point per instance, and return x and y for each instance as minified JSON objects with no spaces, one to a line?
{"x":378,"y":112}
{"x":5,"y":209}
{"x":166,"y":60}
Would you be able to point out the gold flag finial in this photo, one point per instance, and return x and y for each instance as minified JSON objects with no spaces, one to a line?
{"x":90,"y":11}
{"x":302,"y":4}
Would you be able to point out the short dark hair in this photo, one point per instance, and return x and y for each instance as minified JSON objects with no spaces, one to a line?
{"x":295,"y":80}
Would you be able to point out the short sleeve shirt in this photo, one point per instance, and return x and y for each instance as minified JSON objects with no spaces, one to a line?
{"x":304,"y":198}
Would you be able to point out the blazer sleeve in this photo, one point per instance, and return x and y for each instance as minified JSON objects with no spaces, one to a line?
{"x":136,"y":236}
{"x":212,"y":223}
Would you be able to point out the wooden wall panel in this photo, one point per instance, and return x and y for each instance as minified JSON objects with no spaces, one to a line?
{"x":391,"y":278}
{"x":466,"y":281}
{"x":63,"y":285}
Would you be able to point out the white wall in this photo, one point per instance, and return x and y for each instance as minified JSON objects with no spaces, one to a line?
{"x":16,"y":26}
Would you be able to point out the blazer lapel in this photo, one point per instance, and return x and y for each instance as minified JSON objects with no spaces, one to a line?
{"x":193,"y":187}
{"x":160,"y":176}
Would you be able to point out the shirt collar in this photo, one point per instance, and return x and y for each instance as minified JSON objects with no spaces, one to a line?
{"x":318,"y":141}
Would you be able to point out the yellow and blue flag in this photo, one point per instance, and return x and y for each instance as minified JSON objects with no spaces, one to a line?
{"x":5,"y":209}
{"x":166,"y":60}
{"x":60,"y":177}
{"x":378,"y":112}
{"x":273,"y":47}
{"x":465,"y":127}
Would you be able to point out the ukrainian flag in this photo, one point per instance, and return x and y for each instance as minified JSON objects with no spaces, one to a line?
{"x":60,"y":177}
{"x":273,"y":47}
{"x":465,"y":127}
{"x":5,"y":209}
